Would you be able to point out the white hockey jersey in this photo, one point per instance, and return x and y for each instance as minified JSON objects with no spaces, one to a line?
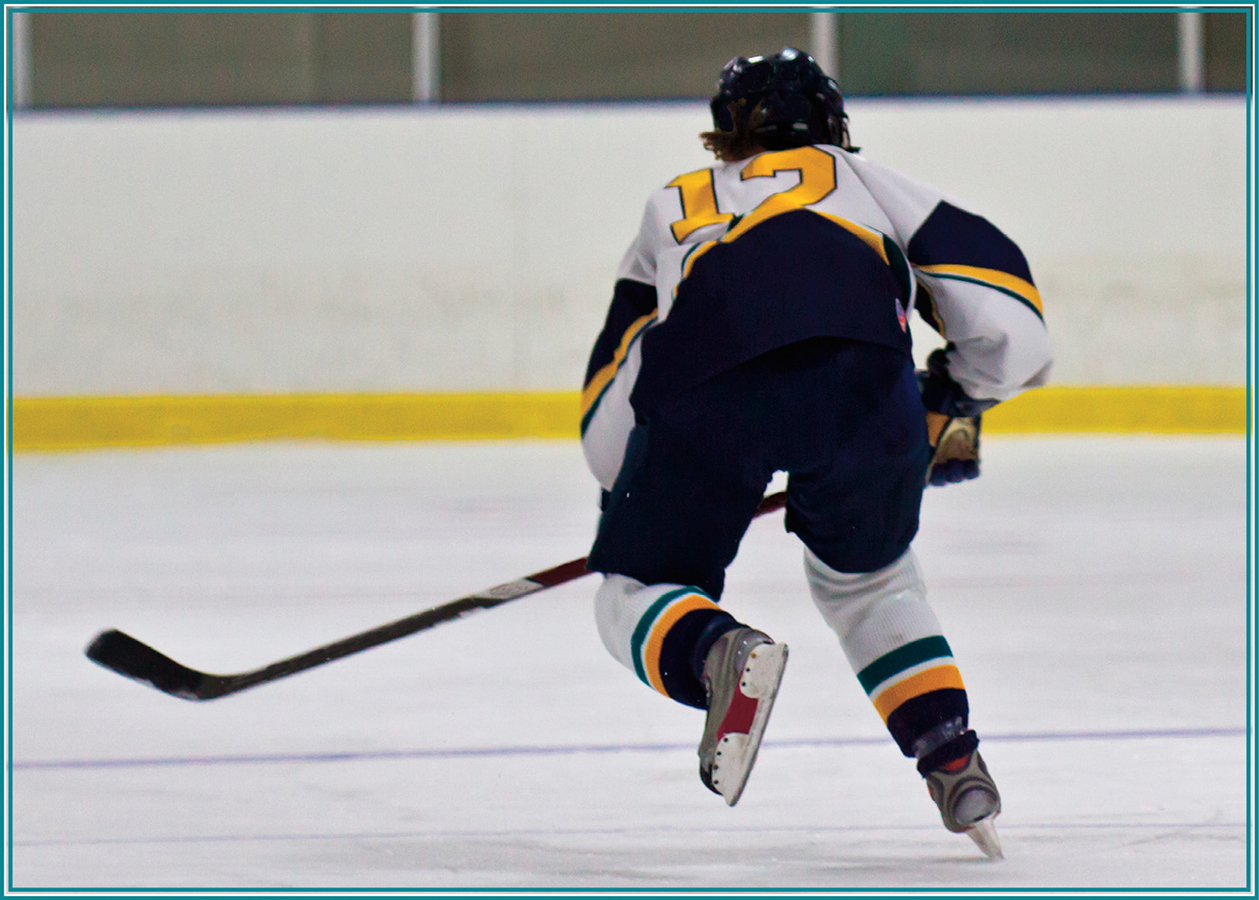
{"x":741,"y":258}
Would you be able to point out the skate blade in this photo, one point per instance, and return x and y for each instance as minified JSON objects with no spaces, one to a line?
{"x":984,"y":834}
{"x":736,"y":753}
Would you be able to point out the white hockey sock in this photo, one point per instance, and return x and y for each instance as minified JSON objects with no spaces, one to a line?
{"x":889,"y":633}
{"x":872,"y":612}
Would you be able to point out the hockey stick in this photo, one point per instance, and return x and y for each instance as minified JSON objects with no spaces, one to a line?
{"x":125,"y":655}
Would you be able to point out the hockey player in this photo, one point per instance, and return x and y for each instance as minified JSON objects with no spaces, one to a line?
{"x":759,"y":324}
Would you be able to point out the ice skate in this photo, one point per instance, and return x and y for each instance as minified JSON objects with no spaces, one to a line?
{"x":969,"y":801}
{"x":741,"y":675}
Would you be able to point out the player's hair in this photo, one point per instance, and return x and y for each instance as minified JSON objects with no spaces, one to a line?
{"x":742,"y":141}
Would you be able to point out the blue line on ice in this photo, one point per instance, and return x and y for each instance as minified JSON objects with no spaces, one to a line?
{"x":569,"y":749}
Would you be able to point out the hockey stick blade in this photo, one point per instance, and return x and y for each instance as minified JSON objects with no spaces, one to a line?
{"x":120,"y":652}
{"x":125,"y":655}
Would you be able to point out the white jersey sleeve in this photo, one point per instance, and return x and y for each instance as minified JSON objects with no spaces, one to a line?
{"x":975,"y":286}
{"x":606,"y":414}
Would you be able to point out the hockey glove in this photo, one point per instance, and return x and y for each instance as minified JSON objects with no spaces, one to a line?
{"x":955,"y":443}
{"x":953,"y":420}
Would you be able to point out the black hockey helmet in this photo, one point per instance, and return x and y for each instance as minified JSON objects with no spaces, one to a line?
{"x":802,"y":104}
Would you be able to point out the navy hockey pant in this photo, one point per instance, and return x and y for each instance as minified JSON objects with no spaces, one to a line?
{"x":842,"y":418}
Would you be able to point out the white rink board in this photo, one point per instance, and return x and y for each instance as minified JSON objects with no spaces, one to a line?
{"x":1094,"y":591}
{"x":475,"y":248}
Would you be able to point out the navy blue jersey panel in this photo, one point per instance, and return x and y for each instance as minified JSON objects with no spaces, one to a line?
{"x":631,"y":300}
{"x":952,"y":236}
{"x":791,"y":278}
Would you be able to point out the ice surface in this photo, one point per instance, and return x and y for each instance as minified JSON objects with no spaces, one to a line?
{"x":1094,"y":591}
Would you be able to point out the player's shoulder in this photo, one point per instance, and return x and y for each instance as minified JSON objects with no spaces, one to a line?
{"x":878,"y":176}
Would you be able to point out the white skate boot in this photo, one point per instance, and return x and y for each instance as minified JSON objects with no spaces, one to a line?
{"x":741,"y":675}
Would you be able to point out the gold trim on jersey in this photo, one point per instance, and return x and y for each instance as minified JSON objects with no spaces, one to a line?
{"x":689,"y":260}
{"x":868,"y":235}
{"x":936,"y":321}
{"x":590,"y":393}
{"x":1003,"y":281}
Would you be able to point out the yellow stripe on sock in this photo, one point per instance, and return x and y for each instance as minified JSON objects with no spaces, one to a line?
{"x":933,"y":679}
{"x":665,"y":621}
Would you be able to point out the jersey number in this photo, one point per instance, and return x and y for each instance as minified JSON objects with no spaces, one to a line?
{"x":699,"y":197}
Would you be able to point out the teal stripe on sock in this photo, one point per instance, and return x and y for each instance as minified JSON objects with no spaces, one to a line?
{"x":903,"y":658}
{"x":644,"y":627}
